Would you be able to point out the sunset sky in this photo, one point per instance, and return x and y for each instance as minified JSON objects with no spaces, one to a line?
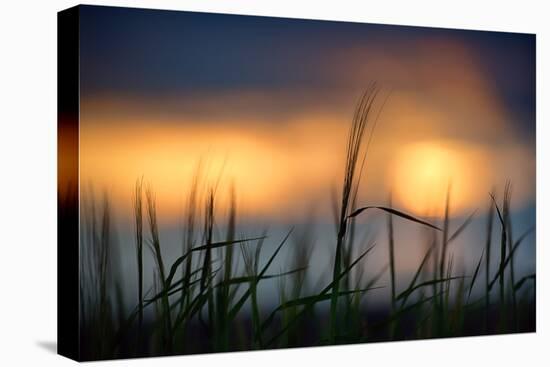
{"x":265,"y":104}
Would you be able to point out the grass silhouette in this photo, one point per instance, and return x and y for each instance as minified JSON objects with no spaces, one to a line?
{"x":203,"y":301}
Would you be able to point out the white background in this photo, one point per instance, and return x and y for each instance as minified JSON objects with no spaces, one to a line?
{"x":28,"y":182}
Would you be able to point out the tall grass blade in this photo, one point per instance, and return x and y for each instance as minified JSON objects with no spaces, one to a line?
{"x":138,"y":210}
{"x":462,"y":227}
{"x":153,"y":226}
{"x":394,"y":212}
{"x":474,"y":277}
{"x":239,"y":304}
{"x":510,"y":254}
{"x":355,"y":137}
{"x":444,"y":240}
{"x":522,"y":281}
{"x":407,"y":292}
{"x":488,"y":241}
{"x":308,"y":306}
{"x":412,"y":284}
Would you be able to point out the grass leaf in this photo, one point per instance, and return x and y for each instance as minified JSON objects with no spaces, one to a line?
{"x":523,"y":280}
{"x":394,"y":212}
{"x":407,"y":292}
{"x":475,"y":274}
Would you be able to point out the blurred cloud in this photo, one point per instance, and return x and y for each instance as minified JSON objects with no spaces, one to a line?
{"x":283,"y":145}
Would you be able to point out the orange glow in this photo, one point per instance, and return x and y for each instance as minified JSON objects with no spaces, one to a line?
{"x":282,"y":169}
{"x":67,"y":157}
{"x":273,"y":171}
{"x":422,"y":173}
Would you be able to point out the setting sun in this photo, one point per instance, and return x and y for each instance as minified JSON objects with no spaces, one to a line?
{"x":422,"y":173}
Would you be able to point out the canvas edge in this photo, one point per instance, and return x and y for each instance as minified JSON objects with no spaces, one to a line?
{"x":68,"y":334}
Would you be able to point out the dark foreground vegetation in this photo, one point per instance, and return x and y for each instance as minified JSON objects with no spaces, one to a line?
{"x":203,"y":301}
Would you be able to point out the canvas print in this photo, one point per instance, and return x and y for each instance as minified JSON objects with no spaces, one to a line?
{"x":236,"y":183}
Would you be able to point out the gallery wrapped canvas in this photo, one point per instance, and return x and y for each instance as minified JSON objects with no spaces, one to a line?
{"x":234,"y":183}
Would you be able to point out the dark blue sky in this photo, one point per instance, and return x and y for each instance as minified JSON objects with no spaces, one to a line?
{"x":155,"y":54}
